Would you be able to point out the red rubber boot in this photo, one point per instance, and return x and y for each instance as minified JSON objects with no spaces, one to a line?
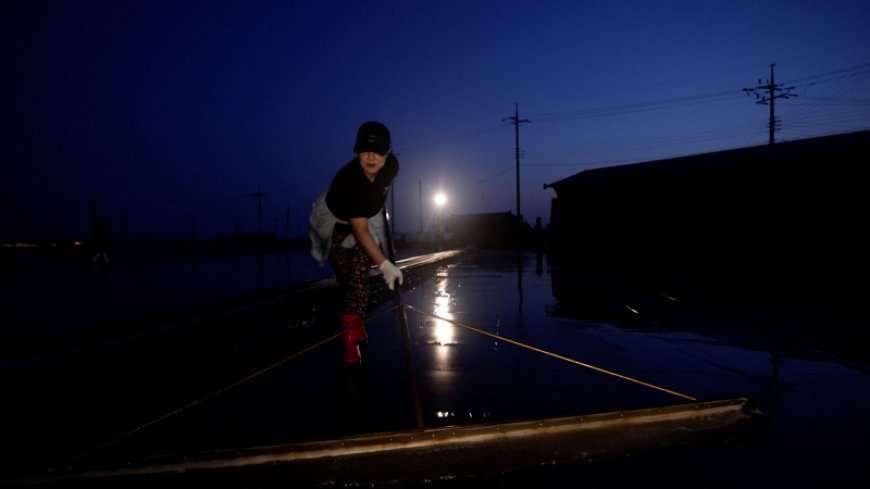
{"x":354,"y":334}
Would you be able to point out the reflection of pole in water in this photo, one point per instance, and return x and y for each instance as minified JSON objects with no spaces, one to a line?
{"x":774,"y":364}
{"x":520,"y":281}
{"x":260,"y":277}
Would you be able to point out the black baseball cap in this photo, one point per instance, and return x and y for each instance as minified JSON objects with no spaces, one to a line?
{"x":372,"y":136}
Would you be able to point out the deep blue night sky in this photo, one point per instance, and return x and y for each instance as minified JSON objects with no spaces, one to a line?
{"x":167,"y":117}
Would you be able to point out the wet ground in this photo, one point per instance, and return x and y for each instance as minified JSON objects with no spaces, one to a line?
{"x":247,"y":383}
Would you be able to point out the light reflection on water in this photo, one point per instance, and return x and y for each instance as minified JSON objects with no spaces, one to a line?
{"x":444,"y":330}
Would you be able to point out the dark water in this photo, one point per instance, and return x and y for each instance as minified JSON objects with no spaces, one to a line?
{"x":73,"y":296}
{"x":816,"y":432}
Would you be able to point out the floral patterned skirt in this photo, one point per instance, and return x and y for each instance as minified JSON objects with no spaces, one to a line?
{"x":351,"y":266}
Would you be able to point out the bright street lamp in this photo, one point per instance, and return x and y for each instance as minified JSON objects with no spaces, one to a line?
{"x":440,"y":202}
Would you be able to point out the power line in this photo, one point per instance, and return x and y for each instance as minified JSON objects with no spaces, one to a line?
{"x":849,"y":73}
{"x":635,"y":107}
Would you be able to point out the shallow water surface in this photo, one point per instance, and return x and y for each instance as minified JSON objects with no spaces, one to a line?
{"x":499,"y":337}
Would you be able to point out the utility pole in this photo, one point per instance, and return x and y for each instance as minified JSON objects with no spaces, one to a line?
{"x":392,"y":214}
{"x":259,"y":195}
{"x":420,"y":187}
{"x":773,"y":92}
{"x":515,"y":120}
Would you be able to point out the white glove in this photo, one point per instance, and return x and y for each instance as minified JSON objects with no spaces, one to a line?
{"x":391,"y":273}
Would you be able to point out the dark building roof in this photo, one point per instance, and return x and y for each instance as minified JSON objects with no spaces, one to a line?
{"x":858,"y":142}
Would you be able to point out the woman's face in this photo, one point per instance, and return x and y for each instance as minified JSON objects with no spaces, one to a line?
{"x":372,"y":163}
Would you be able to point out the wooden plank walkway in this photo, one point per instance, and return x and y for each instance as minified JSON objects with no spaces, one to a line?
{"x":461,"y":451}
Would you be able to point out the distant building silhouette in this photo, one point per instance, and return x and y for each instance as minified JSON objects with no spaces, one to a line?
{"x":488,"y":230}
{"x":791,"y":208}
